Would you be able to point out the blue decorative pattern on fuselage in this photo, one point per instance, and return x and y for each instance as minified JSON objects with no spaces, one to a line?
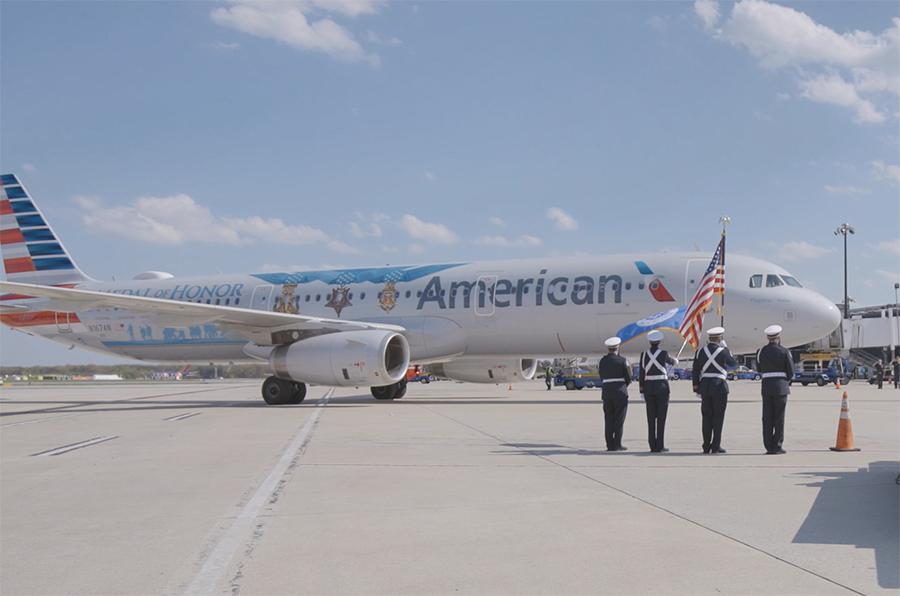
{"x":378,"y":275}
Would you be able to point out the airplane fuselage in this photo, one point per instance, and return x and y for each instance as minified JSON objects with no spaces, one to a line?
{"x":545,"y":307}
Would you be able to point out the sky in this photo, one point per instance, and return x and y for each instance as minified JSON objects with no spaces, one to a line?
{"x":199,"y":137}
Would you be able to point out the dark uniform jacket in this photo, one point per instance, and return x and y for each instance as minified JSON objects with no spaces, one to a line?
{"x":712,"y":385}
{"x":649,"y":369}
{"x":777,"y":369}
{"x":613,"y":366}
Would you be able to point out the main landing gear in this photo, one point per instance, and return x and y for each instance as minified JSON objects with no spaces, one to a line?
{"x":280,"y":392}
{"x":394,"y":391}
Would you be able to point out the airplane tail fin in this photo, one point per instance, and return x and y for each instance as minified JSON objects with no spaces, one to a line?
{"x":31,"y":251}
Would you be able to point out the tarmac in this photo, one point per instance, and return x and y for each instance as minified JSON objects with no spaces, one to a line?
{"x":192,"y":488}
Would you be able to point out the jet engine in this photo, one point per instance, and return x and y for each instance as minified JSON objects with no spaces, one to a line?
{"x":486,"y":370}
{"x":348,"y":358}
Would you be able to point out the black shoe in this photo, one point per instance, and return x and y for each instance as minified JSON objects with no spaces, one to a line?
{"x":706,"y":450}
{"x":719,"y":450}
{"x":654,"y":451}
{"x":621,"y":448}
{"x":771,"y":452}
{"x":663,"y":450}
{"x":780,"y":452}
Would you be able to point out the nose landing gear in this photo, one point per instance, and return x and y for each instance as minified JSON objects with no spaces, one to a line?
{"x":394,"y":391}
{"x":280,"y":392}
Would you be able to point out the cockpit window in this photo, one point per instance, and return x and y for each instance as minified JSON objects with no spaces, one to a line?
{"x":756,"y":281}
{"x":791,"y":281}
{"x":773,"y":281}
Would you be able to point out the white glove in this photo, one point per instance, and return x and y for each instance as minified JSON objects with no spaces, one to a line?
{"x":723,"y":342}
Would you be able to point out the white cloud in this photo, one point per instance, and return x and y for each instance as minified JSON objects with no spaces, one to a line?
{"x":380,"y":40}
{"x":523,"y":241}
{"x":708,"y":11}
{"x":363,"y":230}
{"x":429,"y":232}
{"x":415,"y":248}
{"x":892,"y":246}
{"x":887,"y":171}
{"x":845,"y":190}
{"x":889,"y":276}
{"x":497,"y":222}
{"x":853,"y":69}
{"x":429,"y":176}
{"x":802,"y":251}
{"x":30,"y":168}
{"x":290,"y":23}
{"x":563,"y":220}
{"x":835,"y":90}
{"x":178,"y":219}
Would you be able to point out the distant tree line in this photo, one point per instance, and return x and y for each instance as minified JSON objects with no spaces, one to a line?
{"x":136,"y":371}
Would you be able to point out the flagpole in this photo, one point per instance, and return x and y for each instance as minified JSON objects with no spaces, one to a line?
{"x":724,"y":220}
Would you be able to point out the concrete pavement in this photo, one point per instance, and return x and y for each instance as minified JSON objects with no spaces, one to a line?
{"x":457,"y":488}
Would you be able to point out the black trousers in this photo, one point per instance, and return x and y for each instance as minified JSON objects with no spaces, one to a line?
{"x":657,"y":401}
{"x":713,"y":409}
{"x":614,"y":410}
{"x":880,"y":381}
{"x":773,"y":421}
{"x":896,"y":380}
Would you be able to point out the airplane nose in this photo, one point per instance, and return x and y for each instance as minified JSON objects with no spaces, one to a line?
{"x":826,"y":315}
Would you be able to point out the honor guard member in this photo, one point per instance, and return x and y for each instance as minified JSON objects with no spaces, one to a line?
{"x":548,"y":377}
{"x":777,"y":369}
{"x":615,"y":377}
{"x":653,"y":381}
{"x":711,"y":382}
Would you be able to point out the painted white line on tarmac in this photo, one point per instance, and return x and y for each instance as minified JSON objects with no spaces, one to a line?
{"x":181,"y":417}
{"x":74,"y":446}
{"x":241,"y":529}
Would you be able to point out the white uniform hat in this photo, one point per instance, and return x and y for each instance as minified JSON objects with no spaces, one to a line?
{"x":613,"y":342}
{"x":716,"y":331}
{"x":773,"y":330}
{"x":655,"y":336}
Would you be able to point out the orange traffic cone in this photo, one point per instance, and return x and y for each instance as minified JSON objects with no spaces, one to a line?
{"x":837,"y":382}
{"x":845,"y":429}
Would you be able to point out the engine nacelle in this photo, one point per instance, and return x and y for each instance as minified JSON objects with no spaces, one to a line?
{"x":349,"y":358}
{"x":486,"y":370}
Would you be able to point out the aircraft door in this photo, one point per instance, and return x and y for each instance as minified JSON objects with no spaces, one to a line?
{"x":63,"y":322}
{"x":693,"y":273}
{"x":261,"y":299}
{"x":483,"y":302}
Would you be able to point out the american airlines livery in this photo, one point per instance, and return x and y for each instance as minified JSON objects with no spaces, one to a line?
{"x":482,"y":322}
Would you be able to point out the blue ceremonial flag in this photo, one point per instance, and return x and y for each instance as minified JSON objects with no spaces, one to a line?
{"x":667,"y":320}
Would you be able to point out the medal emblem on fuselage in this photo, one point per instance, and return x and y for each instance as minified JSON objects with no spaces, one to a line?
{"x":339,"y":299}
{"x":388,"y":298}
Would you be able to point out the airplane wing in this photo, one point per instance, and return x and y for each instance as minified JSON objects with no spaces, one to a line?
{"x":261,"y":327}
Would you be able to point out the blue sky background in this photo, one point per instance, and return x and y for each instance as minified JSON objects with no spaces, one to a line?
{"x":198,"y":137}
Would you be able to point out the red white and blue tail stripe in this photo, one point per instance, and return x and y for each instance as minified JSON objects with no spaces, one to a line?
{"x":31,"y":251}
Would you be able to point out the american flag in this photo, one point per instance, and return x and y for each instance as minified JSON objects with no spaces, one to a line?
{"x":713,"y":283}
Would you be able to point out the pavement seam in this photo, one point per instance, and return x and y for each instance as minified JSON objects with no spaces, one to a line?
{"x":245,"y":523}
{"x":648,"y":503}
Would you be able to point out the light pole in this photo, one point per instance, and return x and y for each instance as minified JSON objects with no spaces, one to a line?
{"x":843,"y":230}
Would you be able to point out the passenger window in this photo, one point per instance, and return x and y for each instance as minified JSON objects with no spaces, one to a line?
{"x":307,"y":297}
{"x":362,"y":296}
{"x":408,"y":294}
{"x":641,"y":285}
{"x":318,"y":297}
{"x":227,"y":301}
{"x":237,"y":301}
{"x":791,"y":281}
{"x":756,"y":281}
{"x":627,"y":285}
{"x":773,"y":281}
{"x":217,"y":301}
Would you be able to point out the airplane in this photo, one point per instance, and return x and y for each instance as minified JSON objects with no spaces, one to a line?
{"x":482,"y":322}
